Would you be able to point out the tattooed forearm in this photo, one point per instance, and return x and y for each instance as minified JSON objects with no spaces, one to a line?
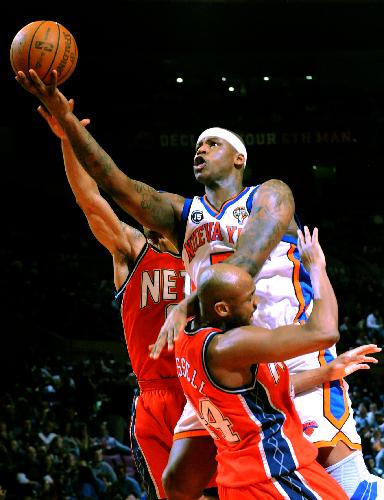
{"x":146,"y":192}
{"x":272,"y":211}
{"x":90,"y":154}
{"x":160,"y":212}
{"x":138,"y":199}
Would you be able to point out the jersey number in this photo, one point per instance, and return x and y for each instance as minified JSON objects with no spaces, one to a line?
{"x":213,"y":418}
{"x":216,"y":258}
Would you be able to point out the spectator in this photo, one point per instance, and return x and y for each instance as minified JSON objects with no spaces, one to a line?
{"x":361,"y":416}
{"x":109,"y":444}
{"x":370,"y":461}
{"x":88,"y":486}
{"x":375,"y":326}
{"x":47,"y":434}
{"x":29,"y":474}
{"x":371,"y":415}
{"x":378,"y":447}
{"x":100,"y":468}
{"x":125,"y":485}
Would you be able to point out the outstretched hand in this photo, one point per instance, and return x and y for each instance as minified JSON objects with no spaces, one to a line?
{"x":54,"y":101}
{"x":309,"y":247}
{"x":350,"y":361}
{"x":54,"y":124}
{"x":174,"y":324}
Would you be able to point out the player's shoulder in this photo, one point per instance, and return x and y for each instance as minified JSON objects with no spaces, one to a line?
{"x":274,"y":189}
{"x":173,"y":198}
{"x":277,"y":184}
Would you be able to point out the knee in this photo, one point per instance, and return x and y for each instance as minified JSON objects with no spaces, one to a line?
{"x":171,"y":482}
{"x":178,"y":487}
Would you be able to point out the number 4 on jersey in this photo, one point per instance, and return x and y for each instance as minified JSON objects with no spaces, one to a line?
{"x":213,"y":418}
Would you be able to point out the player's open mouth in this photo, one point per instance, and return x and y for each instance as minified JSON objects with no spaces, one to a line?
{"x":199,"y":168}
{"x":199,"y":163}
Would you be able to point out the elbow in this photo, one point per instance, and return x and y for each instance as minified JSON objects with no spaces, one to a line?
{"x":87,"y":203}
{"x":330,"y":336}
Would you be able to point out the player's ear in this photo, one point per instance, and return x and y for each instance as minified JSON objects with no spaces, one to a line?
{"x":222,"y":309}
{"x":239,"y":160}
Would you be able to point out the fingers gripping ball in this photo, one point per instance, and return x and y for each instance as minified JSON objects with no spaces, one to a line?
{"x":44,"y":46}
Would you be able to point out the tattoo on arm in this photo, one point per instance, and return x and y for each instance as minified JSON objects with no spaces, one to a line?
{"x":146,"y":193}
{"x":93,"y":157}
{"x":269,"y":219}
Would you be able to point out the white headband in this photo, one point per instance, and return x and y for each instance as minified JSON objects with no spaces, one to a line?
{"x":228,"y":136}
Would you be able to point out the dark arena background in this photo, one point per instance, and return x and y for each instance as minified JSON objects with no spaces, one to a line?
{"x":301,"y":81}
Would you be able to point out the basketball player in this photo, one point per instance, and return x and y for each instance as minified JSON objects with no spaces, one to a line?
{"x":234,"y":376}
{"x":210,"y":226}
{"x":149,"y":278}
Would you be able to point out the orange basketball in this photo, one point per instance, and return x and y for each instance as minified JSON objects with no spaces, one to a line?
{"x":44,"y":46}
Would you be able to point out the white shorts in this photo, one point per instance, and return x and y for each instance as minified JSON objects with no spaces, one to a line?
{"x":189,"y":424}
{"x":325,"y":411}
{"x":327,"y":419}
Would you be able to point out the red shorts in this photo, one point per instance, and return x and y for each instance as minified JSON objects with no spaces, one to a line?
{"x":156,"y":411}
{"x":306,"y":483}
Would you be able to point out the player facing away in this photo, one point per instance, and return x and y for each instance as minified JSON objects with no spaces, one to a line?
{"x":234,"y":376}
{"x":257,"y":225}
{"x":149,"y":277}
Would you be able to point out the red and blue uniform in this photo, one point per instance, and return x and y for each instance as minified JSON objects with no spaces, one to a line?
{"x":154,"y":285}
{"x":262,"y":452}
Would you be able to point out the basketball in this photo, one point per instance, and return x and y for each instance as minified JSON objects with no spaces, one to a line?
{"x":44,"y":46}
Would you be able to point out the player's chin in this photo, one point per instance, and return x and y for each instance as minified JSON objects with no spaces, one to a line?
{"x":200,"y":174}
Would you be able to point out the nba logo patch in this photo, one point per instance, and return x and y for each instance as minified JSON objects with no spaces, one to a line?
{"x":240,"y":214}
{"x":309,"y":427}
{"x":197,"y":216}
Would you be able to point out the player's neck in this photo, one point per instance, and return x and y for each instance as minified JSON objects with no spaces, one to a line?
{"x":218,"y":194}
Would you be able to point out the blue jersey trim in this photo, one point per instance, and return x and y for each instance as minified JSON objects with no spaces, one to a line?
{"x":365,"y":491}
{"x":183,"y":223}
{"x":227,"y":204}
{"x":295,"y":487}
{"x":250,"y":199}
{"x":338,"y":407}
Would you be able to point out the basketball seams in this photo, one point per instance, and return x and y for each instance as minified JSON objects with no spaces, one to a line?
{"x":55,"y":54}
{"x":31,"y":43}
{"x":69,"y":67}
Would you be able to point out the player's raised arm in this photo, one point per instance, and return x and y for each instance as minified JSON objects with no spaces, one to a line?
{"x":113,"y":234}
{"x":154,"y":210}
{"x":272,"y":212}
{"x":247,"y":345}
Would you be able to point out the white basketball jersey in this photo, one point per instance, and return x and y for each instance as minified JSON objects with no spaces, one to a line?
{"x":282,"y":286}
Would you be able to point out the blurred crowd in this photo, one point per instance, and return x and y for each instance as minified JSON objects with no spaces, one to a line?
{"x":64,"y":431}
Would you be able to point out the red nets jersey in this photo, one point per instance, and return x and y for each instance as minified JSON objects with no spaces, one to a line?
{"x":153,"y":287}
{"x":255,"y":427}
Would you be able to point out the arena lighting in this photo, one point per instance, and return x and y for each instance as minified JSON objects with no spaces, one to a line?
{"x":308,"y":77}
{"x":179,"y":79}
{"x":223,"y":79}
{"x":231,"y":89}
{"x":266,"y":78}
